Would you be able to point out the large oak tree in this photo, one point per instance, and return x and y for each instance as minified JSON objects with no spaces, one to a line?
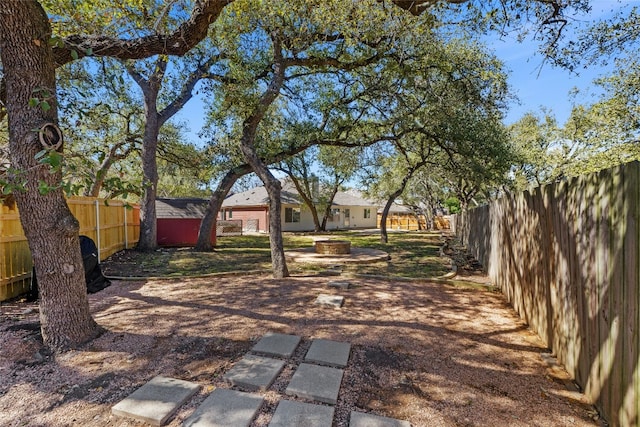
{"x":28,"y":91}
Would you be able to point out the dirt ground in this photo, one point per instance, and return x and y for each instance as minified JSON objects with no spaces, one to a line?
{"x":426,"y":352}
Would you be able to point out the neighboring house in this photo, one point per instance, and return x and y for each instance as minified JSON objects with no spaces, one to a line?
{"x":349,"y":210}
{"x":178,"y":221}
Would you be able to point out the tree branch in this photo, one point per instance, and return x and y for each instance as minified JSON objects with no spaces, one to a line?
{"x":178,"y":43}
{"x":137,"y":77}
{"x":187,"y":90}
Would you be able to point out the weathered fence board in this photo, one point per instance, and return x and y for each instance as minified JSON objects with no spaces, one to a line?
{"x":410,"y":221}
{"x":113,"y":225}
{"x":566,"y":256}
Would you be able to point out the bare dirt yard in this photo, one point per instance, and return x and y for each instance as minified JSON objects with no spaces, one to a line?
{"x":422,"y":351}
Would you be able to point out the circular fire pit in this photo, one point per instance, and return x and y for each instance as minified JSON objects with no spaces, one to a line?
{"x":333,"y":247}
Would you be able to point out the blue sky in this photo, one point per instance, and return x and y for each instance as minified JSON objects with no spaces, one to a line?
{"x":550,"y":86}
{"x":535,"y":86}
{"x":538,"y":84}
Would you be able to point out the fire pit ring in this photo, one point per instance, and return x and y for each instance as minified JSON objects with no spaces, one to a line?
{"x":333,"y":247}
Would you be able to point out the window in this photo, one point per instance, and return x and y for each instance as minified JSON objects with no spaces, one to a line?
{"x":335,"y":215}
{"x":230,"y":213}
{"x":367,"y":213}
{"x":291,"y":214}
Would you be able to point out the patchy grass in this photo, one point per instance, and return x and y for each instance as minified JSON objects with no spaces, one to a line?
{"x":412,"y":255}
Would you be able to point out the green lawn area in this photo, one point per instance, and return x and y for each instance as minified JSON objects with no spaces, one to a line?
{"x":412,"y":255}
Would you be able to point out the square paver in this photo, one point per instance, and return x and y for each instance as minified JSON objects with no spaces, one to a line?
{"x":226,"y":408}
{"x":340,"y":284}
{"x":326,"y":352}
{"x":254,"y":372}
{"x":290,"y":414}
{"x":316,"y":383}
{"x":330,"y":300}
{"x":358,"y":419}
{"x":156,"y":401}
{"x":277,"y":344}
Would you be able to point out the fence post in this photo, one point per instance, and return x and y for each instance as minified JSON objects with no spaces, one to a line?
{"x":126,"y":240}
{"x":98,"y":227}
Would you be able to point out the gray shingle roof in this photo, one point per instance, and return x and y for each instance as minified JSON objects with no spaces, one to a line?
{"x":258,"y":197}
{"x":351,"y":198}
{"x":181,"y":208}
{"x":396,"y":208}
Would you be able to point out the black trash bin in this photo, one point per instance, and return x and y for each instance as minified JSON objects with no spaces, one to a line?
{"x":93,"y":276}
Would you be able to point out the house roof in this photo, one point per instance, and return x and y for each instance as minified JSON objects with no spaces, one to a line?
{"x":352,"y":198}
{"x":397,"y":208}
{"x":258,"y":197}
{"x":181,"y":208}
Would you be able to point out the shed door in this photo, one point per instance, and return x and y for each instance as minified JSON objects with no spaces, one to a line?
{"x":347,"y":216}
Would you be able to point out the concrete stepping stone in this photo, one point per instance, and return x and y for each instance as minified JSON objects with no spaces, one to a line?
{"x":226,"y":408}
{"x":326,"y":352}
{"x":290,"y":414}
{"x":254,"y":372}
{"x":330,"y":300}
{"x":340,"y":284}
{"x":156,"y":401}
{"x":358,"y":419}
{"x":277,"y":344}
{"x":334,"y":270}
{"x":316,"y":383}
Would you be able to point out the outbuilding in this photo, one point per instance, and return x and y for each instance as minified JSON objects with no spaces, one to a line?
{"x":178,"y":221}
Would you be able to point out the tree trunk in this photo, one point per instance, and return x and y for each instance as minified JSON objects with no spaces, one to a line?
{"x":210,"y":218}
{"x":307,"y":200}
{"x":153,"y":121}
{"x":148,"y":229}
{"x":50,"y":228}
{"x":462,"y":223}
{"x":96,"y":185}
{"x":327,"y":210}
{"x":105,"y":166}
{"x":316,"y":220}
{"x":274,"y":190}
{"x":384,"y":237}
{"x":150,"y":89}
{"x":272,"y":185}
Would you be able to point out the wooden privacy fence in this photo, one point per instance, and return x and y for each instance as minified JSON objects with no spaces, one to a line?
{"x":566,"y":256}
{"x":403,"y":221}
{"x":112,"y":225}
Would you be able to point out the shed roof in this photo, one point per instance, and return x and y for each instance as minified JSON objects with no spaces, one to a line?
{"x":181,"y":208}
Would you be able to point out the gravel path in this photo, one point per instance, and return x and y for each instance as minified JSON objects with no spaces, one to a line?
{"x":425,"y":352}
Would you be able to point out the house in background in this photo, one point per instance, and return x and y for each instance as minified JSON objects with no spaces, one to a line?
{"x":349,"y":210}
